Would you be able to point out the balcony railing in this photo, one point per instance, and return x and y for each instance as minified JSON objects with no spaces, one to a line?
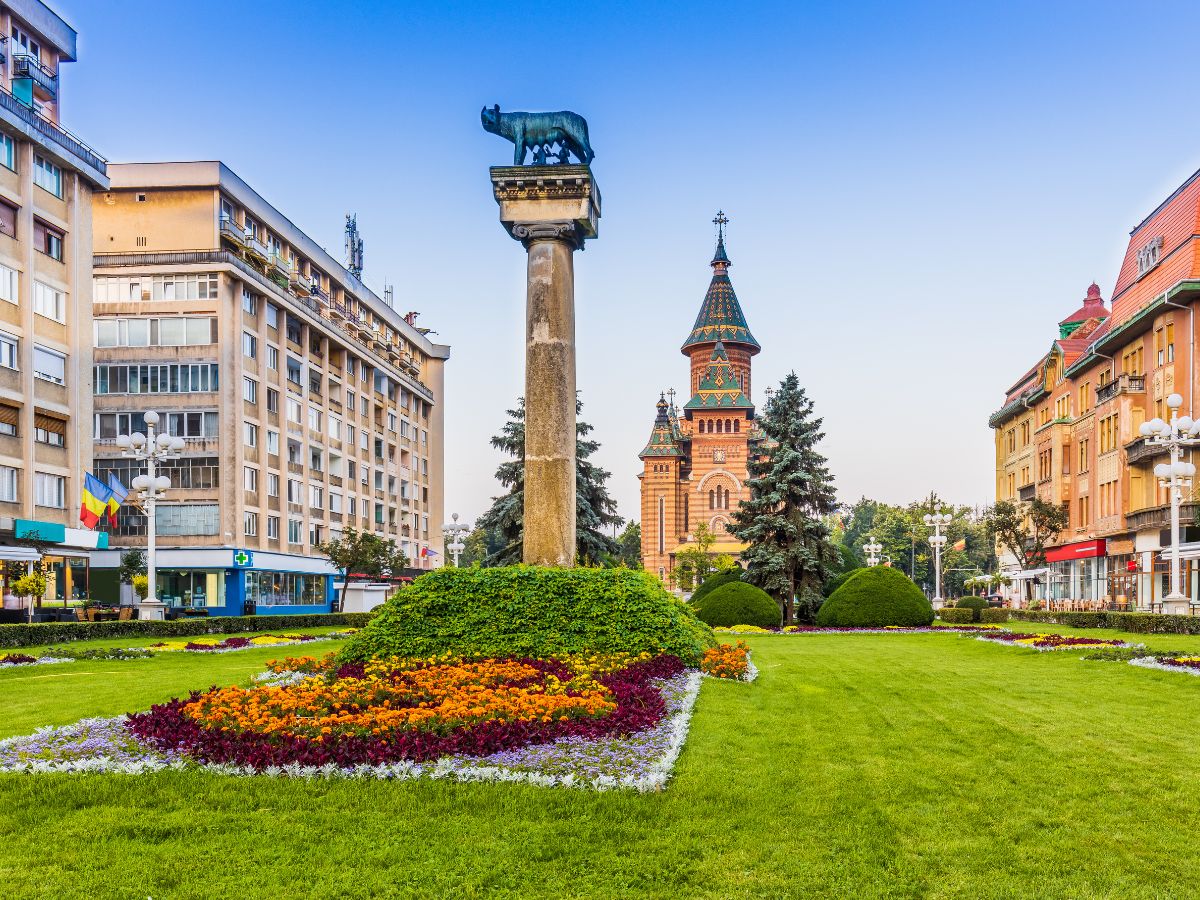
{"x":1027,"y":492}
{"x":1139,"y":450}
{"x":26,"y":66}
{"x":1124,"y":384}
{"x":1160,"y":516}
{"x":53,"y":132}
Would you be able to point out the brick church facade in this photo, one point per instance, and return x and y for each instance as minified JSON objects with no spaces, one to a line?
{"x":695,"y":463}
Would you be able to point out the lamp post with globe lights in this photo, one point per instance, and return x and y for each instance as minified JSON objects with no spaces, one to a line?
{"x":1175,"y":475}
{"x":454,"y":533}
{"x":152,"y":449}
{"x":937,"y":520}
{"x":873,"y":549}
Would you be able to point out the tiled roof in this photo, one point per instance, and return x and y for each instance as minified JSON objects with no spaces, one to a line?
{"x":662,"y":438}
{"x":719,"y":388}
{"x":721,"y":317}
{"x":1093,"y":307}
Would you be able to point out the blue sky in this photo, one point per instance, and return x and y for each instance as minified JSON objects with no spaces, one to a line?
{"x":917,"y":192}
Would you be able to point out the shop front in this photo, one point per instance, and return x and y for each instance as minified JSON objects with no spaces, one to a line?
{"x":1077,"y":576}
{"x":232,"y":582}
{"x":65,"y":557}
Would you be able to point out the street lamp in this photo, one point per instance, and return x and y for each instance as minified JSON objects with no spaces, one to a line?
{"x":1175,"y":475}
{"x":151,"y":449}
{"x":937,"y":521}
{"x":454,"y":533}
{"x":872,"y":548}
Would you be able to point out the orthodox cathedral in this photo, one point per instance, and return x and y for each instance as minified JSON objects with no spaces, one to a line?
{"x":695,"y":464}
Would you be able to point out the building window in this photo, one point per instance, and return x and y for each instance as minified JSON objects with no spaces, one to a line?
{"x":48,"y":302}
{"x":272,"y":358}
{"x":48,"y":240}
{"x":250,"y":524}
{"x":250,"y":479}
{"x":249,"y":390}
{"x":49,"y":365}
{"x":272,"y":442}
{"x":8,"y":152}
{"x":294,"y":372}
{"x":136,"y":288}
{"x":190,"y":472}
{"x":249,"y":345}
{"x":8,"y":484}
{"x":316,"y":496}
{"x":251,"y":434}
{"x":50,"y":434}
{"x":272,"y":486}
{"x":273,"y":528}
{"x":314,"y":418}
{"x":49,"y":490}
{"x":155,"y":379}
{"x":9,"y":283}
{"x":9,"y":348}
{"x":294,"y":411}
{"x":295,"y":531}
{"x":272,"y":319}
{"x":175,"y":331}
{"x":249,"y":301}
{"x":8,"y":219}
{"x":47,"y":175}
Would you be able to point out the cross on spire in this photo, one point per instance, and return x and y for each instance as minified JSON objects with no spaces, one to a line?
{"x":671,"y":394}
{"x":721,"y":221}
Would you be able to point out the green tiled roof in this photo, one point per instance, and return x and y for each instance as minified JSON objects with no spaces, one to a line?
{"x":719,"y":388}
{"x":662,"y":439}
{"x":721,"y":317}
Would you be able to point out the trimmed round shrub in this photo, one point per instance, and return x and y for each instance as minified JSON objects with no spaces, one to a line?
{"x":739,"y":603}
{"x":712,"y":582}
{"x":875,"y":598}
{"x":975,"y":604}
{"x":532,"y":611}
{"x":837,"y":581}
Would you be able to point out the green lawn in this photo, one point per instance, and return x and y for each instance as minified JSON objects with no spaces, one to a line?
{"x":928,"y":766}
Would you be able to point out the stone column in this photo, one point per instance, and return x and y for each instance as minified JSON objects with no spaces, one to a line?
{"x":552,"y":210}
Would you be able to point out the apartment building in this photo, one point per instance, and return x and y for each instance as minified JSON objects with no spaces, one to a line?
{"x":306,"y":402}
{"x":47,"y":180}
{"x":1069,"y":428}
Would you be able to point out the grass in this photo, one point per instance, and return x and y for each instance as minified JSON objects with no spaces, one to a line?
{"x":923,"y":766}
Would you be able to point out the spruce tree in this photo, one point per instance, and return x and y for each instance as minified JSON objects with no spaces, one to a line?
{"x":595,"y":509}
{"x":790,"y":554}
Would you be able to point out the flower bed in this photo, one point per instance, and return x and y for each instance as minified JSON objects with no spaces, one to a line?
{"x":730,"y":661}
{"x":12,"y":660}
{"x":1188,"y":664}
{"x":891,"y":629}
{"x":1048,"y":642}
{"x":598,"y":720}
{"x":229,"y":645}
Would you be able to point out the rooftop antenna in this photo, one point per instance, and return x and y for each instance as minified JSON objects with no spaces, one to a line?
{"x":354,"y":247}
{"x":389,"y":295}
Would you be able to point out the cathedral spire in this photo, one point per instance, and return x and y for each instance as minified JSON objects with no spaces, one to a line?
{"x":720,"y":317}
{"x":662,"y":437}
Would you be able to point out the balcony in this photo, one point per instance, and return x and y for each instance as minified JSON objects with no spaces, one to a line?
{"x":1027,"y":492}
{"x":1124,"y":384}
{"x":280,"y":265}
{"x":232,"y":231}
{"x":257,"y":250}
{"x":1160,"y":516}
{"x":53,"y":132}
{"x":45,"y":81}
{"x":1139,"y":450}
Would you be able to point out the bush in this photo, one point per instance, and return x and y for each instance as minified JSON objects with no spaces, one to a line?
{"x":56,"y":632}
{"x":837,"y":581}
{"x":739,"y":604}
{"x":532,"y":611}
{"x":875,"y":598}
{"x":956,"y":615}
{"x":993,"y":616}
{"x":972,"y":603}
{"x":1136,"y":622}
{"x":712,"y":582}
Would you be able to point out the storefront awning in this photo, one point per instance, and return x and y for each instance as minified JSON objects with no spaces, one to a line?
{"x":1026,"y":574}
{"x":1080,"y":550}
{"x":19,"y":554}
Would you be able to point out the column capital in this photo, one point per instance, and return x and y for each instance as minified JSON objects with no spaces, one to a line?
{"x":528,"y":232}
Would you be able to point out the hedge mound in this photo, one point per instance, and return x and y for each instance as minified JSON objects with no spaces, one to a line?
{"x":739,"y":603}
{"x":532,"y":611}
{"x":975,"y":604}
{"x":875,"y":598}
{"x":712,"y":582}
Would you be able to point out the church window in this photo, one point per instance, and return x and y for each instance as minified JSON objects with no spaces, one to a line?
{"x":729,"y":426}
{"x":718,"y":456}
{"x":720,"y":429}
{"x":712,"y":499}
{"x":662,"y":524}
{"x":737,"y":426}
{"x":726,"y":498}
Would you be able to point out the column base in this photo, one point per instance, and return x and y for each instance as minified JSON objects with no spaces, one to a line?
{"x":1176,"y":606}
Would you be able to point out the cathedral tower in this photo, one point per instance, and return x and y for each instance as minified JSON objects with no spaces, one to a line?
{"x":695,"y":469}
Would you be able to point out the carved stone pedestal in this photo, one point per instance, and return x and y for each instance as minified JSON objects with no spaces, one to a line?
{"x":552,"y":210}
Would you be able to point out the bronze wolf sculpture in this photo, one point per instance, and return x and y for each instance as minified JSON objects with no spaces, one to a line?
{"x":535,"y":131}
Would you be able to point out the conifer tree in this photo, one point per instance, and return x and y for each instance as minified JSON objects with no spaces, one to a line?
{"x":790,"y":553}
{"x":595,"y":509}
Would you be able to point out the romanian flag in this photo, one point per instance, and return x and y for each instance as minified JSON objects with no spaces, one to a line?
{"x":960,"y":545}
{"x":119,"y":493}
{"x":95,"y":500}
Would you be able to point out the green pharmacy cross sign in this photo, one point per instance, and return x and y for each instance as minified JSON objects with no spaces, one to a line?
{"x":243,"y":558}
